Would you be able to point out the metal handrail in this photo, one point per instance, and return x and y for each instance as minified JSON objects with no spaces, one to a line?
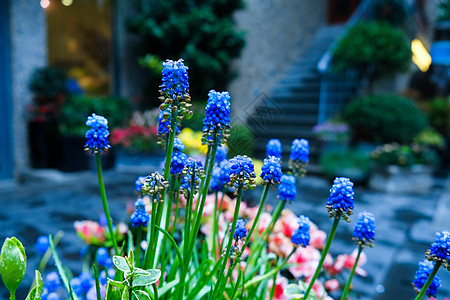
{"x":360,"y":13}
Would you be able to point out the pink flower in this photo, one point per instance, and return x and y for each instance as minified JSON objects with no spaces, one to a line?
{"x":280,"y":285}
{"x":347,"y":262}
{"x":306,"y":260}
{"x":332,"y":285}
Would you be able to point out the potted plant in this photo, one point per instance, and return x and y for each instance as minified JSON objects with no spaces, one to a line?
{"x":48,"y":87}
{"x":72,"y":129}
{"x":402,"y":168}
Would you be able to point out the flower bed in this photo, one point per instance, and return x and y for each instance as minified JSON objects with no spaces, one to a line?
{"x":190,"y":234}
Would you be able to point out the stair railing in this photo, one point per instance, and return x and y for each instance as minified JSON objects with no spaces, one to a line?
{"x":336,"y":89}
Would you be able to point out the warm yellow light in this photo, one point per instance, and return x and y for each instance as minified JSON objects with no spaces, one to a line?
{"x":45,"y":3}
{"x":67,"y":2}
{"x":420,"y":57}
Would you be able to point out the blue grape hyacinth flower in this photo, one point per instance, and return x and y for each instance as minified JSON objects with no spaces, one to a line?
{"x":274,"y":148}
{"x":299,"y":156}
{"x":154,"y":184}
{"x":103,"y":258}
{"x":287,"y":189}
{"x":178,"y":162}
{"x":220,"y":176}
{"x":301,"y":236}
{"x":97,"y":135}
{"x":217,"y":119}
{"x":175,"y":78}
{"x":440,"y":250}
{"x":52,"y":281}
{"x":164,"y":120}
{"x":241,"y":231}
{"x":271,"y":170}
{"x":425,"y":269}
{"x":242,"y":172}
{"x":340,"y":202}
{"x":178,"y":145}
{"x":138,"y":184}
{"x":221,"y":154}
{"x":140,"y":216}
{"x":192,"y":174}
{"x":364,"y":233}
{"x":42,"y":244}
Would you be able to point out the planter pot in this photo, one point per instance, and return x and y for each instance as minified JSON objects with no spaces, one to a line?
{"x":73,"y":158}
{"x":395,"y":179}
{"x":43,"y":149}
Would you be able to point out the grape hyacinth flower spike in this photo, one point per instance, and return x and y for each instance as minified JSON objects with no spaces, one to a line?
{"x":242,"y":172}
{"x":178,"y":145}
{"x":192,"y":174}
{"x":274,"y":148}
{"x":271,"y":170}
{"x":299,"y":157}
{"x":301,"y":236}
{"x":240,"y":234}
{"x":439,"y":254}
{"x":287,"y":189}
{"x":340,"y":202}
{"x":154,"y":184}
{"x":175,"y":89}
{"x":221,"y":154}
{"x":220,"y":176}
{"x":97,"y":135}
{"x":138,"y":184}
{"x":422,"y":274}
{"x":216,"y":124}
{"x":140,"y":216}
{"x":364,"y":233}
{"x":178,"y":163}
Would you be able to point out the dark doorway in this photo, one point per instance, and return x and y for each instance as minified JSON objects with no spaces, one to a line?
{"x":339,"y":11}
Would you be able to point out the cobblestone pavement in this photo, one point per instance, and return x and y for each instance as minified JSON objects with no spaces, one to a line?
{"x":48,"y":201}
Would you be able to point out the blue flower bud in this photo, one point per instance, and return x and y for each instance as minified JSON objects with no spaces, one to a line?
{"x":175,"y":79}
{"x":138,"y":184}
{"x":221,"y":153}
{"x":440,"y":249}
{"x":42,"y":244}
{"x":271,"y":170}
{"x":274,"y":148}
{"x":52,"y":281}
{"x":364,"y":233}
{"x":287,"y":189}
{"x":217,"y":119}
{"x":102,"y":257}
{"x":240,"y":231}
{"x":341,"y":198}
{"x":97,"y":136}
{"x":299,"y":156}
{"x":140,"y":217}
{"x":178,"y":163}
{"x":301,"y":235}
{"x":242,"y":172}
{"x":425,"y":269}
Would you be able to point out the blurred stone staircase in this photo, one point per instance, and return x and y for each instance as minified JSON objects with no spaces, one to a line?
{"x":291,"y":109}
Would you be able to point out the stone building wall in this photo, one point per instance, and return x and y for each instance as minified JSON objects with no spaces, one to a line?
{"x":28,"y":51}
{"x":277,"y":31}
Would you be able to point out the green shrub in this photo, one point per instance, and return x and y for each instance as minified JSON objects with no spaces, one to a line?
{"x":374,"y":49}
{"x":384,"y":119}
{"x":48,"y":81}
{"x":404,"y":155}
{"x":350,"y":163}
{"x":202,"y":32}
{"x":77,"y":108}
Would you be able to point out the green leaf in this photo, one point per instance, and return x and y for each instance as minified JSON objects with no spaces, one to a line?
{"x":38,"y":289}
{"x":126,"y":293}
{"x":13,"y":263}
{"x":143,"y":280}
{"x":131,"y":259}
{"x":121,"y":263}
{"x":141,"y":295}
{"x":296,"y":291}
{"x":114,"y":289}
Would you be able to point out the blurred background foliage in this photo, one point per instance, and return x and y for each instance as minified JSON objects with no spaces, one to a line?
{"x":202,"y":32}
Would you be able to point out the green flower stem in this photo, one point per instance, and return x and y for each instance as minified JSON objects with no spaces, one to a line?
{"x":236,"y":287}
{"x":215,"y":225}
{"x":138,"y":246}
{"x":61,"y":270}
{"x":12,"y":295}
{"x":230,"y":240}
{"x":149,"y":256}
{"x":208,"y":156}
{"x":155,"y":291}
{"x":166,"y":225}
{"x":324,"y":254}
{"x":97,"y":283}
{"x":262,"y":201}
{"x":101,"y":184}
{"x":201,"y":206}
{"x":271,"y":273}
{"x":347,"y":286}
{"x":177,"y":206}
{"x":178,"y":253}
{"x":187,"y":225}
{"x":274,"y":286}
{"x":427,"y":284}
{"x":48,"y":253}
{"x":276,"y":215}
